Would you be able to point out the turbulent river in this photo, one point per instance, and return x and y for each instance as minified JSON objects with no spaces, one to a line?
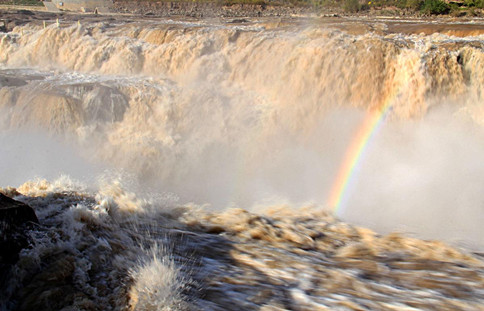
{"x":188,"y":164}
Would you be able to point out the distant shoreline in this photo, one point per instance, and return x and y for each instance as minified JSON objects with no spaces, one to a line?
{"x":237,"y":8}
{"x":372,"y":21}
{"x":253,"y":8}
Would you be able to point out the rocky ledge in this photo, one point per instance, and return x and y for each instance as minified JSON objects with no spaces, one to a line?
{"x":15,"y":220}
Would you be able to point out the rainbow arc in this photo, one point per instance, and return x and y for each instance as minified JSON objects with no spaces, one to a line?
{"x":354,"y":155}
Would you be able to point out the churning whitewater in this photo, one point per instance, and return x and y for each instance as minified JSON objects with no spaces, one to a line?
{"x":187,"y":165}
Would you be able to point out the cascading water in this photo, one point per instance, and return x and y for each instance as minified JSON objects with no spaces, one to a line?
{"x":202,"y":118}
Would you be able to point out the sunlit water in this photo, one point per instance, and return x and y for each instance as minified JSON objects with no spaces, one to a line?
{"x":187,"y":165}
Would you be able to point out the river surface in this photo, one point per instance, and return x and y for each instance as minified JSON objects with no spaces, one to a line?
{"x":184,"y":164}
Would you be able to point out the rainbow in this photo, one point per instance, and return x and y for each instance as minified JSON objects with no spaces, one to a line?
{"x":353,"y":156}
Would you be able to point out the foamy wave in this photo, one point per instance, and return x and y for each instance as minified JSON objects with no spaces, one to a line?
{"x":84,"y":254}
{"x":89,"y":247}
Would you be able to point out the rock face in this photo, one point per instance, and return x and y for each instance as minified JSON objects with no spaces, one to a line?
{"x":15,"y":218}
{"x":15,"y":213}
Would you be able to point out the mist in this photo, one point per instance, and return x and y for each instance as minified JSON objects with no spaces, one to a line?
{"x":421,"y":177}
{"x":424,"y":178}
{"x":254,"y":119}
{"x":29,"y":155}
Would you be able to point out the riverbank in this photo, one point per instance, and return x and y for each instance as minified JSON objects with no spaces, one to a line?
{"x":285,"y":9}
{"x":272,"y":17}
{"x":190,"y":162}
{"x":237,"y":8}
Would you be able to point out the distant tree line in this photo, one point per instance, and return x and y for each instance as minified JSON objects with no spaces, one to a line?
{"x":424,"y":7}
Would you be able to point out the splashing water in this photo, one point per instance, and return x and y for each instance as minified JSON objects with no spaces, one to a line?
{"x":219,"y":133}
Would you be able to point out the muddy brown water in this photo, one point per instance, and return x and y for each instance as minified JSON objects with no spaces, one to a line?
{"x":203,"y":142}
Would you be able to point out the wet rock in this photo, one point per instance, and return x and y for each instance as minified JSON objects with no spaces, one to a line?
{"x":15,"y":218}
